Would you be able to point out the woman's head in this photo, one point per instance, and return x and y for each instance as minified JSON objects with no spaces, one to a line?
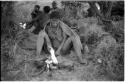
{"x":55,"y":15}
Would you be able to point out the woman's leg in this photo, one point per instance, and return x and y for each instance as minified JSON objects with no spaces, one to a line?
{"x":66,"y":46}
{"x":40,"y":41}
{"x":77,"y":47}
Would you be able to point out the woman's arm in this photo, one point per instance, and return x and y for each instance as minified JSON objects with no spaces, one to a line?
{"x":60,"y":47}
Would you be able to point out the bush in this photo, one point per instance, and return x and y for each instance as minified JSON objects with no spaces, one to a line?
{"x":92,"y":39}
{"x":104,"y":47}
{"x":116,"y":29}
{"x":113,"y":62}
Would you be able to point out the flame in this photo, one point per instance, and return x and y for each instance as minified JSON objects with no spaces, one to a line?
{"x":53,"y":57}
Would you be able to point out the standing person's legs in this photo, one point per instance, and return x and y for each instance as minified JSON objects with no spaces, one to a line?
{"x":40,"y":42}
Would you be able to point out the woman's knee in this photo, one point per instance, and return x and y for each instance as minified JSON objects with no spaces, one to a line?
{"x":41,"y":33}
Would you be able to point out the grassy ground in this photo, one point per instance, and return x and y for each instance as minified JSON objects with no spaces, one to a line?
{"x":105,"y":52}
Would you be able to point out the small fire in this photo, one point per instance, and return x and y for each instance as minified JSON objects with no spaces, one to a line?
{"x":48,"y":62}
{"x":53,"y":57}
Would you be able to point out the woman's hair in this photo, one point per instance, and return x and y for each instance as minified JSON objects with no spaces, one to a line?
{"x":55,"y":15}
{"x":46,"y":9}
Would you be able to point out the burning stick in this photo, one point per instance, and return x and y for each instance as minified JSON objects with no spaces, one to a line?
{"x":51,"y":59}
{"x":48,"y":62}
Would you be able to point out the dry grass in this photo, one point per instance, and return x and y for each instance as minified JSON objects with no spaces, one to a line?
{"x":104,"y":42}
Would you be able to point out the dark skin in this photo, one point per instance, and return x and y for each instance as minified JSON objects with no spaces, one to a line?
{"x":38,"y":19}
{"x":35,"y":15}
{"x":35,"y":11}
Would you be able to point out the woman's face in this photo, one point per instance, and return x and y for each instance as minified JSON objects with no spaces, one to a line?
{"x":54,"y":22}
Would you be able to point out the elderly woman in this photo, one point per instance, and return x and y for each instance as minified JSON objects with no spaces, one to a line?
{"x":60,"y":37}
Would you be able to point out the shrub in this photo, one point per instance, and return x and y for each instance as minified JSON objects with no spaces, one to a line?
{"x":116,"y":29}
{"x":113,"y":61}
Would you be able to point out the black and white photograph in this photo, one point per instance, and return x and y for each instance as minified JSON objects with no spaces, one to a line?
{"x":62,"y":40}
